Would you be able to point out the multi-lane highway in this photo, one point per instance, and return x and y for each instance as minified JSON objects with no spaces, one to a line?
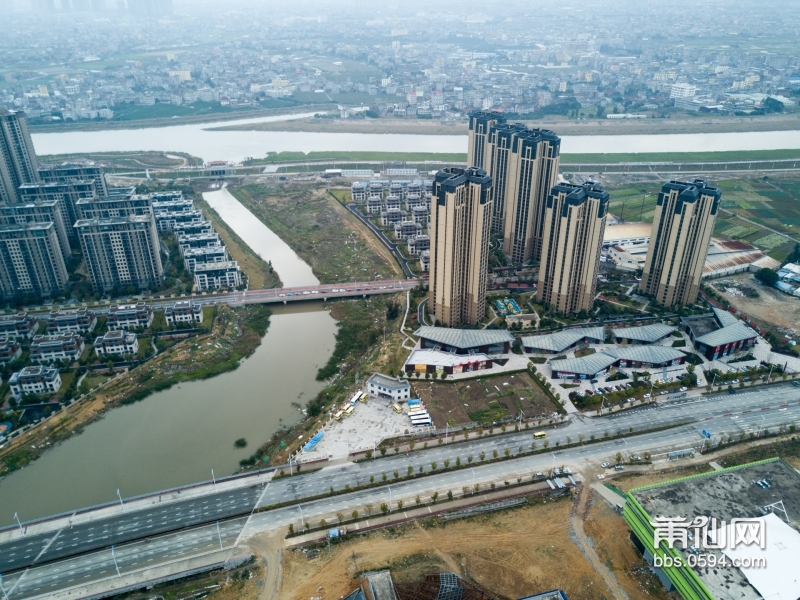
{"x":123,"y":560}
{"x":123,"y":527}
{"x":746,"y":412}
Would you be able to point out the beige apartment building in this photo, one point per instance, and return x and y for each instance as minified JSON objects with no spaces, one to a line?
{"x":682,"y":227}
{"x":461,"y":211}
{"x":523,"y":164}
{"x":574,"y":223}
{"x":479,"y":125}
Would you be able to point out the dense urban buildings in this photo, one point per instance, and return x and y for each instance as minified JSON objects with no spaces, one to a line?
{"x":575,"y":220}
{"x":460,"y":224}
{"x":682,"y":227}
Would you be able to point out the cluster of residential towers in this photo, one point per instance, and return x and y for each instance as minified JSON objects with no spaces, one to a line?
{"x":51,"y":216}
{"x":512,"y":188}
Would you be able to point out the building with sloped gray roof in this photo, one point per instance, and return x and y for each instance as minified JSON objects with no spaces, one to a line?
{"x":563,"y":340}
{"x":645,"y":334}
{"x":718,"y":334}
{"x":647,"y":356}
{"x":465,"y":341}
{"x":593,"y":365}
{"x":586,"y":367}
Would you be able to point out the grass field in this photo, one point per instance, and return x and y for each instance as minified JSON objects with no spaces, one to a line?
{"x":485,"y":400}
{"x":680,"y":156}
{"x":320,"y":230}
{"x":126,"y":160}
{"x":766,"y":204}
{"x":278,"y":157}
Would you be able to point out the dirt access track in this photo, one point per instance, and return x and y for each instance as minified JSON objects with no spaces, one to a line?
{"x":484,"y":400}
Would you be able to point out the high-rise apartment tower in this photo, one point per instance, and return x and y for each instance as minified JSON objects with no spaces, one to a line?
{"x":121,"y":252}
{"x":460,"y":221}
{"x":682,"y":227}
{"x":18,"y":164}
{"x":523,"y":164}
{"x":31,"y":263}
{"x":574,"y":223}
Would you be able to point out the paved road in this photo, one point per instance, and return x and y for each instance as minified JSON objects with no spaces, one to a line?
{"x":126,"y":559}
{"x":271,"y":296}
{"x":124,"y":527}
{"x":421,"y":312}
{"x":392,"y":246}
{"x":746,"y":412}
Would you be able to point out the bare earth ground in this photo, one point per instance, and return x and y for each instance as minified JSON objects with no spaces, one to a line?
{"x":681,"y":124}
{"x":510,"y":554}
{"x":772,"y":306}
{"x":483,"y":400}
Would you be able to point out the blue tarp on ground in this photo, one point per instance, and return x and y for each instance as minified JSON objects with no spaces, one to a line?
{"x":313,"y":442}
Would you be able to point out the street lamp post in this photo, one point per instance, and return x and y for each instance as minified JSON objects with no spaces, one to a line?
{"x":214,"y":479}
{"x":473,"y":479}
{"x":120,"y":501}
{"x":2,"y":588}
{"x":390,"y":497}
{"x":302,"y":519}
{"x":760,"y":426}
{"x":18,"y":523}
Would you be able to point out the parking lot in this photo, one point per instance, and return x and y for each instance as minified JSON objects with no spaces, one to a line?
{"x":371,"y":422}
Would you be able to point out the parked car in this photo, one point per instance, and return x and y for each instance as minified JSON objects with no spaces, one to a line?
{"x":683,"y":389}
{"x":601,"y":476}
{"x":631,"y":400}
{"x":647,"y":395}
{"x":619,"y":468}
{"x":605,"y":465}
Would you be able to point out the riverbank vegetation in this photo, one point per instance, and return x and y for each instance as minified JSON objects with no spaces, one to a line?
{"x":320,"y":230}
{"x":127,"y":161}
{"x":235,"y":334}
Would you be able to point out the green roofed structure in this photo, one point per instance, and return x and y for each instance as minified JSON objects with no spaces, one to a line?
{"x":765,"y":494}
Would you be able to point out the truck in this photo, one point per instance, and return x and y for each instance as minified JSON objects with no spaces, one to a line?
{"x":336,"y":532}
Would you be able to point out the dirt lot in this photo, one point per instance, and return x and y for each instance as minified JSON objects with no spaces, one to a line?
{"x":772,"y":307}
{"x":485,"y":400}
{"x":505,"y":558}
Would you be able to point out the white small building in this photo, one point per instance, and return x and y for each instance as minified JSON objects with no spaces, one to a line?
{"x":214,"y":276}
{"x":80,"y":320}
{"x":390,"y":388}
{"x":50,"y":348}
{"x":117,"y":343}
{"x":184,"y":311}
{"x":130,"y":316}
{"x":35,"y":380}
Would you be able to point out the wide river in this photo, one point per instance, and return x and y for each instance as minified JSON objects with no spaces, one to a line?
{"x":234,"y":146}
{"x":179,"y":435}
